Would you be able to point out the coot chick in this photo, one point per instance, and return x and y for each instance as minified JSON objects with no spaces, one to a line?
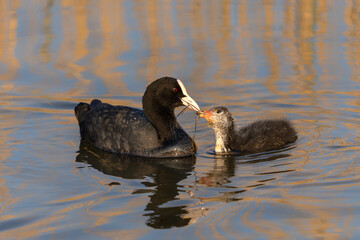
{"x":151,"y":132}
{"x":259,"y":136}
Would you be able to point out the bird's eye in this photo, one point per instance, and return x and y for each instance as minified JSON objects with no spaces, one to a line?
{"x":174,"y":89}
{"x":219,"y":111}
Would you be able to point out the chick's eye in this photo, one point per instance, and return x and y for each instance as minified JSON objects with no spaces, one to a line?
{"x":218,"y":111}
{"x":174,"y":89}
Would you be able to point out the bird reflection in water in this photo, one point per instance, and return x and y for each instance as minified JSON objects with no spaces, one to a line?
{"x":165,"y":173}
{"x":225,"y":168}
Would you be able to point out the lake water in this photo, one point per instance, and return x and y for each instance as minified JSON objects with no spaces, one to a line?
{"x":261,"y":59}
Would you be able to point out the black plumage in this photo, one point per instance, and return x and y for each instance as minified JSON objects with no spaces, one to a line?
{"x":151,"y":132}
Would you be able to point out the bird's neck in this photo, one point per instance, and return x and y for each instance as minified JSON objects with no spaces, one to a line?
{"x":224,"y":138}
{"x":162,"y":118}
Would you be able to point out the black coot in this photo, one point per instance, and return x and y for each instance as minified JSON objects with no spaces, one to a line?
{"x":259,"y":136}
{"x":151,"y":132}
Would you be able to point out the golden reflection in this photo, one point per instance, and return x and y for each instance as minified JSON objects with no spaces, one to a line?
{"x":70,"y":51}
{"x":199,"y":33}
{"x":352,"y":49}
{"x":222,"y":37}
{"x":299,"y":28}
{"x":113,"y":32}
{"x":45,"y":47}
{"x":241,"y":46}
{"x":6,"y":197}
{"x":270,"y":50}
{"x":9,"y":121}
{"x":8,"y":127}
{"x":316,"y":225}
{"x":82,"y":31}
{"x":8,"y":40}
{"x":244,"y":45}
{"x":153,"y":36}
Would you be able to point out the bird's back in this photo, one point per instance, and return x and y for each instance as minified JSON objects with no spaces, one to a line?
{"x":115,"y":128}
{"x":126,"y":130}
{"x":264,"y":135}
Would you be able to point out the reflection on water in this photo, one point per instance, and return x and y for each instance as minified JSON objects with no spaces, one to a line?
{"x":225,"y":165}
{"x":261,"y":59}
{"x":165,"y":175}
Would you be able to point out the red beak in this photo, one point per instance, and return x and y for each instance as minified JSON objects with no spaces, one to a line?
{"x":205,"y":114}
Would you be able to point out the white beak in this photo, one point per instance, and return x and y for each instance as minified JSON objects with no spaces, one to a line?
{"x":187,"y":100}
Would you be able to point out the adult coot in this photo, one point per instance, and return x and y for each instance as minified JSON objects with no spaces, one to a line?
{"x":259,"y":136}
{"x":151,"y":132}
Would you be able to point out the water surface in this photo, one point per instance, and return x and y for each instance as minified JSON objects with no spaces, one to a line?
{"x":261,"y":59}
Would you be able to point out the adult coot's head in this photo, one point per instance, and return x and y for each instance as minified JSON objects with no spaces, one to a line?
{"x":159,"y":101}
{"x":168,"y":93}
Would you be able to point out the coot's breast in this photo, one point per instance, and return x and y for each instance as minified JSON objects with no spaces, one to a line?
{"x":126,"y":130}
